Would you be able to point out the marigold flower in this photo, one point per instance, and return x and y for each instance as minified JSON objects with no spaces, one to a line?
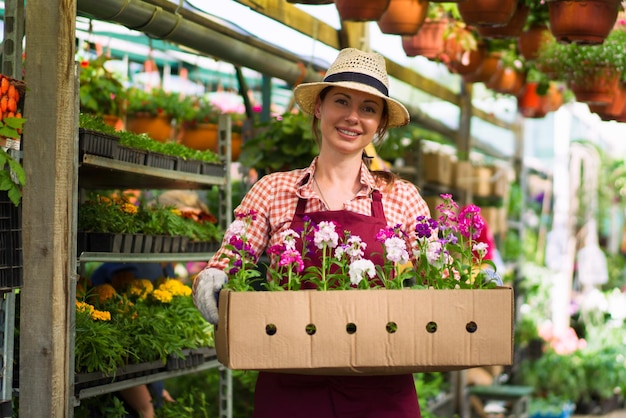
{"x":101,"y":315}
{"x":129,"y":208}
{"x":141,"y":288}
{"x":104,"y":292}
{"x":162,"y":296}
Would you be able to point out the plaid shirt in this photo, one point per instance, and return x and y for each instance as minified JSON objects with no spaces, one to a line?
{"x":275,"y":197}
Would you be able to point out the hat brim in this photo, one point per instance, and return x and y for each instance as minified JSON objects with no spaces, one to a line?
{"x":306,"y":94}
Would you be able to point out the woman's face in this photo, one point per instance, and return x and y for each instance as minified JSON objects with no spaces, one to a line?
{"x":349,"y":119}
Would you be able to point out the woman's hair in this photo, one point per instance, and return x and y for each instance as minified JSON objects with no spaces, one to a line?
{"x":384,"y":177}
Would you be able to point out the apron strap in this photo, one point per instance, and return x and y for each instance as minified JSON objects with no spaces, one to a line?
{"x":377,"y":205}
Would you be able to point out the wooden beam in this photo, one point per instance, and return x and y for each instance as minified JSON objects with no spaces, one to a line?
{"x":294,"y":18}
{"x":49,"y":211}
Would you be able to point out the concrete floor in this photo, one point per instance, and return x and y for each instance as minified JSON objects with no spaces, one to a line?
{"x":614,"y":414}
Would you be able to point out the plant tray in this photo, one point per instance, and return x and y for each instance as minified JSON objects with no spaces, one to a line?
{"x":202,"y":246}
{"x":97,"y":143}
{"x":211,"y":169}
{"x":11,"y":252}
{"x":131,"y":155}
{"x":158,"y":160}
{"x":188,"y":166}
{"x":192,"y":358}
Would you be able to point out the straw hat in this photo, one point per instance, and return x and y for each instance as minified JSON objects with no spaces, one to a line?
{"x":356,"y":70}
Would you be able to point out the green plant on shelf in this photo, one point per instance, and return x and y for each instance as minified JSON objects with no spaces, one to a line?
{"x":101,"y":91}
{"x":12,"y":176}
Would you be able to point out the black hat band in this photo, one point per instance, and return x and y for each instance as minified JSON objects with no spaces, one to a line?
{"x":359,"y":78}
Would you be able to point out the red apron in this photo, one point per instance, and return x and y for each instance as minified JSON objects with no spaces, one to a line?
{"x":282,"y":395}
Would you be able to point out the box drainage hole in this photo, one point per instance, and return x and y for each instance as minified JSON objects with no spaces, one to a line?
{"x":391,"y":327}
{"x":310,"y":329}
{"x":431,"y":327}
{"x":351,"y":328}
{"x":471,"y":327}
{"x":270,"y":329}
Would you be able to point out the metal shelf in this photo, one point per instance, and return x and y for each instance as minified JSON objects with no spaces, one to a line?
{"x":117,"y":385}
{"x":97,"y":172}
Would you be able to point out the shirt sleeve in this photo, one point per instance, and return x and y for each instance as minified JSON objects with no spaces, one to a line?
{"x":255,"y":201}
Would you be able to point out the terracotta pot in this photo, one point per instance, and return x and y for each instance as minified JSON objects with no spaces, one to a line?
{"x":485,"y":71}
{"x":506,"y":80}
{"x":613,"y":109}
{"x":460,"y":61}
{"x":114,"y":121}
{"x":361,"y":10}
{"x":403,"y":17}
{"x":158,"y":128}
{"x":311,"y":1}
{"x":202,"y":136}
{"x":487,"y":12}
{"x":531,"y":40}
{"x":427,"y":42}
{"x":596,"y":86}
{"x":583,"y":22}
{"x":512,"y":29}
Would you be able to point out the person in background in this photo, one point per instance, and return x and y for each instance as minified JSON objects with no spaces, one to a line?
{"x":351,"y":108}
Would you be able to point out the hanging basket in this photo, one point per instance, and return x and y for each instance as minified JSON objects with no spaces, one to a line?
{"x":202,"y":136}
{"x":506,"y":80}
{"x":403,"y":17}
{"x":460,"y":61}
{"x":584,"y":22}
{"x":487,"y":12}
{"x":596,"y":85}
{"x":311,"y":1}
{"x":531,"y":40}
{"x":428,"y":41}
{"x":485,"y":71}
{"x":361,"y":10}
{"x":513,"y":28}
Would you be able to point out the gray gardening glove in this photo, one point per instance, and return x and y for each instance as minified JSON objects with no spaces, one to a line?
{"x":206,"y":291}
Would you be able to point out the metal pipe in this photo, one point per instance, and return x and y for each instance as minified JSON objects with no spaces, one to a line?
{"x":160,"y":23}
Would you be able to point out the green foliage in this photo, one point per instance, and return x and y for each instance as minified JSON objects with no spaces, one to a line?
{"x":101,"y":91}
{"x":199,"y":393}
{"x":200,"y":110}
{"x":12,"y":175}
{"x":144,"y":142}
{"x":104,"y":212}
{"x":157,"y":102}
{"x":285,"y":142}
{"x":571,"y":60}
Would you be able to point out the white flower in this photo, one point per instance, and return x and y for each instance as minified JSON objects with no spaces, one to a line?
{"x":359,"y":268}
{"x":355,"y":247}
{"x":326,"y":235}
{"x":289,"y":237}
{"x":396,"y":252}
{"x":236,"y":228}
{"x":480,"y":248}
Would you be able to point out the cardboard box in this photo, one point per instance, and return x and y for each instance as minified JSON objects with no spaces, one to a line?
{"x":482,"y":181}
{"x":351,"y":330}
{"x":463,"y":172}
{"x":437,"y":168}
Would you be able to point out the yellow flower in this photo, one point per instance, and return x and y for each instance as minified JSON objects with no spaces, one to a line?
{"x":162,"y":296}
{"x":129,"y":208}
{"x":84,"y":307}
{"x":141,"y":288}
{"x":104,"y":199}
{"x":176,"y":287}
{"x":97,"y":315}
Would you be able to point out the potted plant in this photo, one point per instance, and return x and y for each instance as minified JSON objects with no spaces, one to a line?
{"x":155,"y":112}
{"x":403,"y":17}
{"x":592,"y":72}
{"x":199,"y":124}
{"x":584,"y":22}
{"x":536,"y":31}
{"x":284,"y":142}
{"x":429,"y":39}
{"x":102,"y":92}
